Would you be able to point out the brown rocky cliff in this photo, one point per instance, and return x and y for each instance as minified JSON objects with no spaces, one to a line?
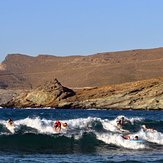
{"x":11,"y":80}
{"x":146,"y":94}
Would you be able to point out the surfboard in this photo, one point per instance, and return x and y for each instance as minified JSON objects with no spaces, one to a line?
{"x":137,"y":141}
{"x":11,"y":128}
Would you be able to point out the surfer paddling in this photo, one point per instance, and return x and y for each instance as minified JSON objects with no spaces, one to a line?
{"x":144,"y":128}
{"x":128,"y":137}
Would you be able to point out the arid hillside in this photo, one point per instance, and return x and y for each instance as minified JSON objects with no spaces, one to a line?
{"x":82,"y":71}
{"x":9,"y":79}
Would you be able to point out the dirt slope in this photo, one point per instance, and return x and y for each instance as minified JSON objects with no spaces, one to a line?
{"x":82,"y":71}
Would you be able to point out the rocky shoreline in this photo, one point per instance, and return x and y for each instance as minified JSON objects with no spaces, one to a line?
{"x":146,"y":94}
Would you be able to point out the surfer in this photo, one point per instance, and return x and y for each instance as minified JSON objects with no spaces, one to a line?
{"x":120,"y":123}
{"x":10,"y":122}
{"x":58,"y":125}
{"x":65,"y":125}
{"x":10,"y":125}
{"x":128,"y":137}
{"x":144,"y":128}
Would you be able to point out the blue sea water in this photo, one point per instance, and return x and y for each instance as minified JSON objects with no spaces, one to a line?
{"x":91,"y":136}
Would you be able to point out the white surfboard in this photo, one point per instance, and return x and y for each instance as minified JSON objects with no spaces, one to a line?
{"x":11,"y":128}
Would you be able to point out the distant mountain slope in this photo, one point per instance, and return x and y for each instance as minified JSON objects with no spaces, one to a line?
{"x":84,"y":71}
{"x":10,"y":80}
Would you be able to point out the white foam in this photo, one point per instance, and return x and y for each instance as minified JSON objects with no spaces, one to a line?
{"x":117,"y":140}
{"x":41,"y":125}
{"x":131,"y":120}
{"x":152,"y":136}
{"x":80,"y":124}
{"x":76,"y":127}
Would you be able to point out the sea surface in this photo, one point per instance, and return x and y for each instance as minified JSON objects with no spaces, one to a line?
{"x":91,"y":136}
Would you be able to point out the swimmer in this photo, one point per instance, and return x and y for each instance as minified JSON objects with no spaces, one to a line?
{"x":144,"y":128}
{"x":64,"y":125}
{"x":119,"y":124}
{"x":128,"y":137}
{"x":59,"y":125}
{"x":10,"y":125}
{"x":121,"y":121}
{"x":10,"y":122}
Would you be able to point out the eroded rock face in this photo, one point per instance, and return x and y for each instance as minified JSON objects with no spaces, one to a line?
{"x":137,"y":95}
{"x":55,"y":88}
{"x":47,"y":95}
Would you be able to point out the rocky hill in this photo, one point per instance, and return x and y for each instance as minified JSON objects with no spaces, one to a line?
{"x":23,"y":71}
{"x":11,"y":80}
{"x":146,"y":94}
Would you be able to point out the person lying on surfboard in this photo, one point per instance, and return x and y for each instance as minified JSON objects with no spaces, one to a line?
{"x":144,"y":128}
{"x":128,"y":137}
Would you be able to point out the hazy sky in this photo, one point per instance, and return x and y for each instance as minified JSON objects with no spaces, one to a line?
{"x":79,"y":27}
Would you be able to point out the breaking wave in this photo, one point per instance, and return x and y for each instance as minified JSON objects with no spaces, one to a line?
{"x":31,"y":134}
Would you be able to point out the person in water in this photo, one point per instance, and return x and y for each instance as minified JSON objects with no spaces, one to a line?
{"x":120,"y":123}
{"x":144,"y":128}
{"x":58,"y":125}
{"x":64,"y":125}
{"x":10,"y":122}
{"x":128,"y":137}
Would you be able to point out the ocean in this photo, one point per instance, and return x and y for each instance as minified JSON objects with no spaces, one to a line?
{"x":91,"y":136}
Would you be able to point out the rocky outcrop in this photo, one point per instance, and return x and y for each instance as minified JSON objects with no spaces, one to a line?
{"x":147,"y":94}
{"x":43,"y":96}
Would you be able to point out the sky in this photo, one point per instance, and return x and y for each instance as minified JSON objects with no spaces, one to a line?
{"x":79,"y":27}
